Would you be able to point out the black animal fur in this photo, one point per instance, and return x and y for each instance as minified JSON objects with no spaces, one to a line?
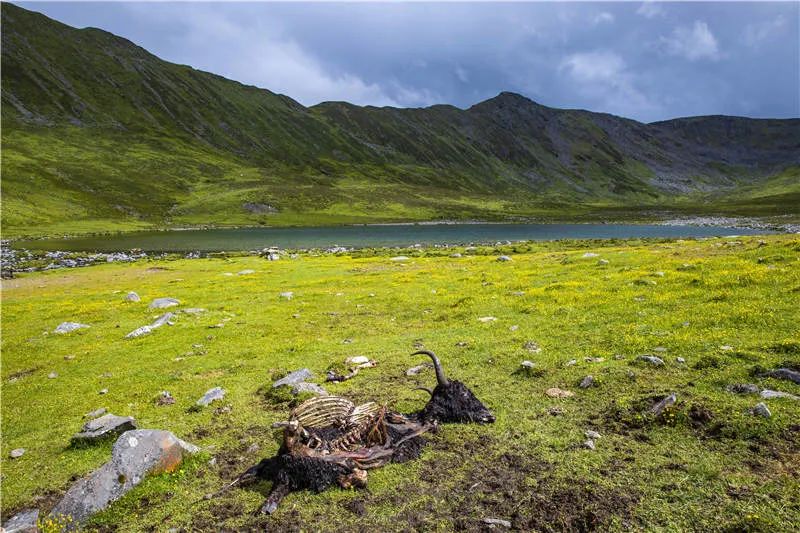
{"x":454,"y":402}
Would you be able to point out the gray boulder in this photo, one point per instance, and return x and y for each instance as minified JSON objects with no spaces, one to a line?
{"x":23,"y":522}
{"x":293,"y":378}
{"x":762,"y":410}
{"x":211,"y":395}
{"x":163,"y":303}
{"x":772,"y":394}
{"x":132,"y":297}
{"x":652,"y":359}
{"x":743,"y":388}
{"x":104,"y":426}
{"x":785,"y":373}
{"x":135,"y":455}
{"x":67,"y":327}
{"x":659,"y":407}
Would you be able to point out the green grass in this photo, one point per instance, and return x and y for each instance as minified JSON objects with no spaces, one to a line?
{"x":730,"y":472}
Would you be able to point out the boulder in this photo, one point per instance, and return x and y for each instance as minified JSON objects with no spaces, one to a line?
{"x":67,"y":327}
{"x":132,"y":297}
{"x":104,"y":426}
{"x":293,"y":378}
{"x":785,"y":373}
{"x":23,"y":522}
{"x":163,"y":303}
{"x":211,"y":395}
{"x":135,"y":454}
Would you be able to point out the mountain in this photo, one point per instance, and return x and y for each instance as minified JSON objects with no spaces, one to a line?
{"x":99,"y":134}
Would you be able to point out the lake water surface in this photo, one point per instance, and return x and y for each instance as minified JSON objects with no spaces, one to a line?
{"x":236,"y":239}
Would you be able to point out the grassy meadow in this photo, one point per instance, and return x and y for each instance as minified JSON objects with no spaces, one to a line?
{"x":728,"y":306}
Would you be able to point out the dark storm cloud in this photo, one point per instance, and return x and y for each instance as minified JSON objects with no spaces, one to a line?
{"x":647,"y":61}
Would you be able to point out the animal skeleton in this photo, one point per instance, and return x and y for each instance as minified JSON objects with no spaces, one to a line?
{"x":329,"y":440}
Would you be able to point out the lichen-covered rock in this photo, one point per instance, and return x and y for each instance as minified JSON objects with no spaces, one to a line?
{"x":135,"y":454}
{"x":104,"y":426}
{"x":67,"y":327}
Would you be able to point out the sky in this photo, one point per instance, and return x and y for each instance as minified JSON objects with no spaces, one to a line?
{"x":644,"y":60}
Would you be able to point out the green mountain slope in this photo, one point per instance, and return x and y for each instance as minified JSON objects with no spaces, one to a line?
{"x":99,"y":134}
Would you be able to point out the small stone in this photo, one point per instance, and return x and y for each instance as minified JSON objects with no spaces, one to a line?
{"x":24,"y":522}
{"x":486,"y":319}
{"x":462,"y":344}
{"x":555,"y":411}
{"x":96,"y":413}
{"x":589,"y":444}
{"x":589,"y":255}
{"x":69,"y":357}
{"x":216,"y":326}
{"x":744,"y":388}
{"x":245,"y":272}
{"x":347,"y":341}
{"x":514,"y":328}
{"x":211,"y":395}
{"x":357,"y":359}
{"x":504,"y":258}
{"x":165,"y":398}
{"x":496,"y":522}
{"x":726,"y":348}
{"x":772,"y":394}
{"x":591,"y":434}
{"x":52,"y":375}
{"x":212,"y":461}
{"x":527,"y":365}
{"x":761,"y":409}
{"x":103,"y":391}
{"x":193,"y":310}
{"x":253,"y":448}
{"x":555,"y":392}
{"x":587,"y":382}
{"x":287,"y":294}
{"x":414,"y":370}
{"x":132,"y":297}
{"x":162,"y":303}
{"x":681,"y":360}
{"x":298,"y":376}
{"x":518,"y":293}
{"x":653,"y":360}
{"x":594,"y":359}
{"x":108,"y":424}
{"x":602,"y":262}
{"x":571,"y":362}
{"x":455,"y":255}
{"x":308,"y":388}
{"x":67,"y":327}
{"x":398,"y":258}
{"x":17,"y":453}
{"x":532,"y":347}
{"x":662,"y":405}
{"x":659,"y":349}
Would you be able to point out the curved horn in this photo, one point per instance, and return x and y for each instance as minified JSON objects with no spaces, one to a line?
{"x":425,"y":389}
{"x":436,"y":365}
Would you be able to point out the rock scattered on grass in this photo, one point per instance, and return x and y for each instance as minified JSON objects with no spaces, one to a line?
{"x":587,"y":382}
{"x":652,"y":359}
{"x":513,"y":328}
{"x":772,"y":394}
{"x":414,"y":370}
{"x":726,"y":348}
{"x":193,"y":310}
{"x":762,"y":410}
{"x":659,"y":349}
{"x":17,"y":453}
{"x":503,"y":258}
{"x":246,"y":272}
{"x":103,"y":391}
{"x":486,"y":319}
{"x":166,"y":318}
{"x":163,"y":303}
{"x":555,"y":392}
{"x":165,"y":398}
{"x":785,"y":373}
{"x":571,"y":362}
{"x":744,"y":388}
{"x":104,"y":426}
{"x":555,"y":411}
{"x":357,"y":360}
{"x":298,"y":376}
{"x":589,"y":444}
{"x":398,"y":258}
{"x":496,"y":522}
{"x":52,"y":375}
{"x":681,"y":360}
{"x":67,"y":327}
{"x":308,"y":388}
{"x":591,"y":434}
{"x":211,"y":395}
{"x":132,"y":297}
{"x":532,"y":347}
{"x":22,"y":522}
{"x":589,"y":255}
{"x":602,"y":262}
{"x":96,"y":413}
{"x":594,"y":359}
{"x":135,"y":455}
{"x":455,"y":255}
{"x":527,"y":365}
{"x":287,"y":295}
{"x":662,"y":405}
